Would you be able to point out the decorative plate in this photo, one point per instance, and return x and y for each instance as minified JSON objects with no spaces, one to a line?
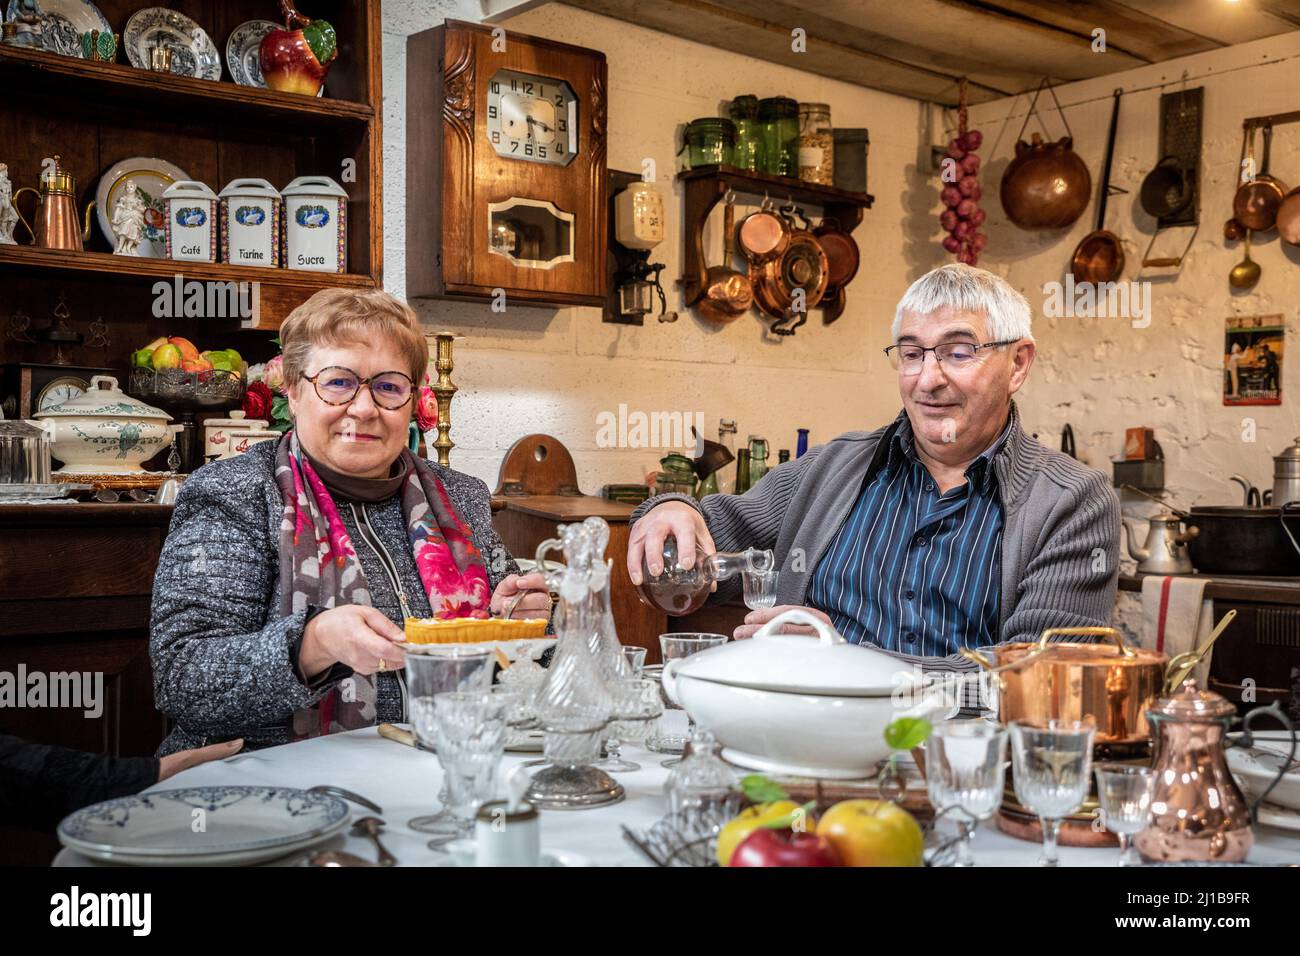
{"x":151,"y":176}
{"x":193,"y":52}
{"x":242,"y":52}
{"x":240,"y":825}
{"x":61,"y":23}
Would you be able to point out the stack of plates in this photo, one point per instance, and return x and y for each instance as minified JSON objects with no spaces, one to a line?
{"x":233,"y":826}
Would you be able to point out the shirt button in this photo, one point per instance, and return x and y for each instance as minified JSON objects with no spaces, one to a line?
{"x":910,"y":637}
{"x":929,"y":487}
{"x":910,"y":595}
{"x":920,"y":540}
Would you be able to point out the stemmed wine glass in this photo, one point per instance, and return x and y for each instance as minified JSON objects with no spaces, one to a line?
{"x":675,"y":647}
{"x":470,"y":728}
{"x":965,"y":771}
{"x":1052,"y":767}
{"x":1124,"y":798}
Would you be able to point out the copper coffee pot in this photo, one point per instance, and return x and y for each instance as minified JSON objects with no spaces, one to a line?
{"x":57,"y":225}
{"x":1197,"y":811}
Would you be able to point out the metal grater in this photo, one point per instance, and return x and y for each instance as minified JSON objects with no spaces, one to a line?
{"x":1180,"y":136}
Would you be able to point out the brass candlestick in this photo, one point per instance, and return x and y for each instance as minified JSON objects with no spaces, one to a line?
{"x":443,"y":389}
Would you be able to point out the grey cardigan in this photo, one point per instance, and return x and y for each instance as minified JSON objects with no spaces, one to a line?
{"x":1060,"y":543}
{"x":220,"y":649}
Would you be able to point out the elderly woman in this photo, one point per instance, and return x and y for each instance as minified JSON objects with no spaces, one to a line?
{"x":287,"y":571}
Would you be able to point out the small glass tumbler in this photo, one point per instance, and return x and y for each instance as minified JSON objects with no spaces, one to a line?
{"x":1052,"y":767}
{"x":759,"y":588}
{"x":1124,"y":802}
{"x":675,"y":647}
{"x":635,"y":657}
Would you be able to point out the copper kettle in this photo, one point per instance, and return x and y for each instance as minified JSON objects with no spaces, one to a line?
{"x":57,"y":225}
{"x":1197,"y":811}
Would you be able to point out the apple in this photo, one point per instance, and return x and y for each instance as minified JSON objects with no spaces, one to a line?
{"x":167,"y":356}
{"x":296,"y":60}
{"x":161,"y":340}
{"x":767,"y":847}
{"x":217,"y":359}
{"x":872,"y":833}
{"x":236,"y":359}
{"x":197,"y":365}
{"x":188,"y":350}
{"x":142,"y":358}
{"x":735,"y":830}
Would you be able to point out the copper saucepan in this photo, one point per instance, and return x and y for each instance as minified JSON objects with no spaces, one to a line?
{"x":1256,"y":203}
{"x":763,"y":235}
{"x":1288,"y":218}
{"x":1113,"y":685}
{"x":1099,"y":256}
{"x":728,"y":294}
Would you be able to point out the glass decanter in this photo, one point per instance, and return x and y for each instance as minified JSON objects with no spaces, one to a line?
{"x":678,"y":591}
{"x":702,"y":784}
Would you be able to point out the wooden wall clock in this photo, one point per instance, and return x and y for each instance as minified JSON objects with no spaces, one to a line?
{"x":505,"y":171}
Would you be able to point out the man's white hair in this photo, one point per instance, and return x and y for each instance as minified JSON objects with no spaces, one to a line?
{"x":967,"y":289}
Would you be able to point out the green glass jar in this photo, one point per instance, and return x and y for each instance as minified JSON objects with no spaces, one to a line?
{"x":778,"y":116}
{"x":749,"y":154}
{"x":709,"y":141}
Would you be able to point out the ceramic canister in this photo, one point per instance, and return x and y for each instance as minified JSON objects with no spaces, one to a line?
{"x":216,"y":432}
{"x":191,"y":230}
{"x":315,"y":225}
{"x":505,"y":838}
{"x":243,"y":439}
{"x":250,"y":223}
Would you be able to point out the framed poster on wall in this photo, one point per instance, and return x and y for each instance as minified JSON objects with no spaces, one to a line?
{"x":1252,"y":360}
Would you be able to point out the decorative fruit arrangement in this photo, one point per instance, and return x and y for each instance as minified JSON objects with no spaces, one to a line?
{"x":296,"y":59}
{"x":167,"y":352}
{"x":961,"y":193}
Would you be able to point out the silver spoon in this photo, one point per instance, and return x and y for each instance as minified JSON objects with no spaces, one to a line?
{"x":337,"y":858}
{"x":370,"y":827}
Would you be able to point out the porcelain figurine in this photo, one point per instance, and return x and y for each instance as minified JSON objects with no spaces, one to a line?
{"x":8,"y":214}
{"x":128,"y":221}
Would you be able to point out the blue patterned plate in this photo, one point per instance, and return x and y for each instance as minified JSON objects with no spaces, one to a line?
{"x":61,"y":23}
{"x":204,"y":826}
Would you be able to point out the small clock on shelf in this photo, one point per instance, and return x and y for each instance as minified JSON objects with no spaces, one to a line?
{"x":30,"y":388}
{"x":505,"y":167}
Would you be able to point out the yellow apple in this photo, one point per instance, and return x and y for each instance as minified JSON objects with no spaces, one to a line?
{"x":872,"y":833}
{"x":733,"y":833}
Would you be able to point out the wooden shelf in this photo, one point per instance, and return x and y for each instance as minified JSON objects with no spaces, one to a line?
{"x":778,"y":187}
{"x":23,"y":69}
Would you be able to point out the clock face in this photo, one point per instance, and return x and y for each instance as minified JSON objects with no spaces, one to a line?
{"x":60,"y":390}
{"x":532,"y":118}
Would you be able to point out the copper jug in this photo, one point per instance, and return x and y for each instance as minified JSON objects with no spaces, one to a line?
{"x":1197,"y":811}
{"x":57,"y":225}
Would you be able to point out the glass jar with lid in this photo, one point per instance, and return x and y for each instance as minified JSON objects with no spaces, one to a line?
{"x":709,"y":141}
{"x":779,"y":118}
{"x":748,"y":154}
{"x":816,"y":144}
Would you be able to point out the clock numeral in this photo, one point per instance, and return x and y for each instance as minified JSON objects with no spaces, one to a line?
{"x":541,"y":151}
{"x":492,"y":112}
{"x":564,"y":126}
{"x":528,"y":89}
{"x":528,"y":149}
{"x":514,"y":84}
{"x":559,"y":149}
{"x":514,"y":146}
{"x":559,"y":99}
{"x":496,"y":87}
{"x":496,"y":136}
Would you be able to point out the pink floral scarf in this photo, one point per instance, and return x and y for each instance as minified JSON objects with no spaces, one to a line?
{"x":319,"y":566}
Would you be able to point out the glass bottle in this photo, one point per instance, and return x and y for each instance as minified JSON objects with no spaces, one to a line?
{"x":779,"y":118}
{"x":701,"y":786}
{"x":742,"y":471}
{"x":783,"y":456}
{"x":727,"y":438}
{"x":801,"y":446}
{"x":748,"y":153}
{"x":757,"y":459}
{"x":679,"y":591}
{"x":816,"y":144}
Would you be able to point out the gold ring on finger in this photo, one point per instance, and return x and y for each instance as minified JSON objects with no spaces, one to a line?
{"x":382,"y":665}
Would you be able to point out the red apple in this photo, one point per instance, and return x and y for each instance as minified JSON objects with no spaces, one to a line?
{"x":295,"y":60}
{"x":767,"y":847}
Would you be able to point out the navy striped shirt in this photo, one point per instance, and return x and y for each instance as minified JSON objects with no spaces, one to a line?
{"x":911,"y":570}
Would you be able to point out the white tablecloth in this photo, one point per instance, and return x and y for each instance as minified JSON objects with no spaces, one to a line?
{"x":405,"y":782}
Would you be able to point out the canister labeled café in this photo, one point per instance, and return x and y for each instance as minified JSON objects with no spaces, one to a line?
{"x":315,"y":225}
{"x":217,"y":432}
{"x":250,"y":223}
{"x":191,"y":225}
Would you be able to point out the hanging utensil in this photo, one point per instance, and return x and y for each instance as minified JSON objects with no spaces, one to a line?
{"x":763,"y":234}
{"x":1099,"y":257}
{"x":1166,"y":190}
{"x":728,"y":294}
{"x":1245,"y":273}
{"x":1047,"y":185}
{"x":1288,"y":218}
{"x":1256,"y":202}
{"x":802,"y":267}
{"x":843,"y":258}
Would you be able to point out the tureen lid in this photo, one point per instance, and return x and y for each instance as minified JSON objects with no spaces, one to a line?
{"x":314,"y":186}
{"x":189,"y":189}
{"x":105,"y":398}
{"x":826,"y":665}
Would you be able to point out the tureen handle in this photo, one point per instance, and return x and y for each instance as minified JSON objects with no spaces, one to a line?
{"x":825,"y":632}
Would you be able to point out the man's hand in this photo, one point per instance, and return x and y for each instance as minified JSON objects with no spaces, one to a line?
{"x":354,"y":634}
{"x":535,"y":603}
{"x":756,"y":619}
{"x":184,"y":759}
{"x":675,"y":519}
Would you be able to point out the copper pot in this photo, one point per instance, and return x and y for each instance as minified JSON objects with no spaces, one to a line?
{"x":1114,"y":684}
{"x":1288,"y":218}
{"x":1046,"y":186}
{"x":763,"y":235}
{"x":803,"y":266}
{"x":1256,"y":203}
{"x":728,"y":294}
{"x":1099,"y":256}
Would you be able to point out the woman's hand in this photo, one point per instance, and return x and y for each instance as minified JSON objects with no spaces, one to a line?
{"x":535,"y":603}
{"x":354,"y":634}
{"x":756,"y":619}
{"x":184,"y":759}
{"x":672,"y":518}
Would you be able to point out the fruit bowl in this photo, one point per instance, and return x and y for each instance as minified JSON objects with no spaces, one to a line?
{"x":179,"y":389}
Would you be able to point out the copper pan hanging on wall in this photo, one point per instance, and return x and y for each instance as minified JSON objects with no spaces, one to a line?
{"x":1047,"y":185}
{"x":1099,"y":256}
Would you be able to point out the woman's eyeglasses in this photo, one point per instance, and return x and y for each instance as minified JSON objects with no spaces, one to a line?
{"x":955,"y":356}
{"x":337,"y":385}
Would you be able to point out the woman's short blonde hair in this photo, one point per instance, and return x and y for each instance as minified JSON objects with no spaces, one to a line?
{"x":335,"y":317}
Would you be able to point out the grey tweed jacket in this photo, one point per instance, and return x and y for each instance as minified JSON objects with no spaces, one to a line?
{"x":220,"y":649}
{"x":1060,"y":543}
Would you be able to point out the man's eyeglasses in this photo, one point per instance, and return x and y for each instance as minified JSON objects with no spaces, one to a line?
{"x":337,"y":385}
{"x":955,"y":356}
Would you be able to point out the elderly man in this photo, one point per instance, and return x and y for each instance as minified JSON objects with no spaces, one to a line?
{"x":949,"y":528}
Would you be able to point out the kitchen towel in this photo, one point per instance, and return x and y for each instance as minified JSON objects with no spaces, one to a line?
{"x":1176,"y":617}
